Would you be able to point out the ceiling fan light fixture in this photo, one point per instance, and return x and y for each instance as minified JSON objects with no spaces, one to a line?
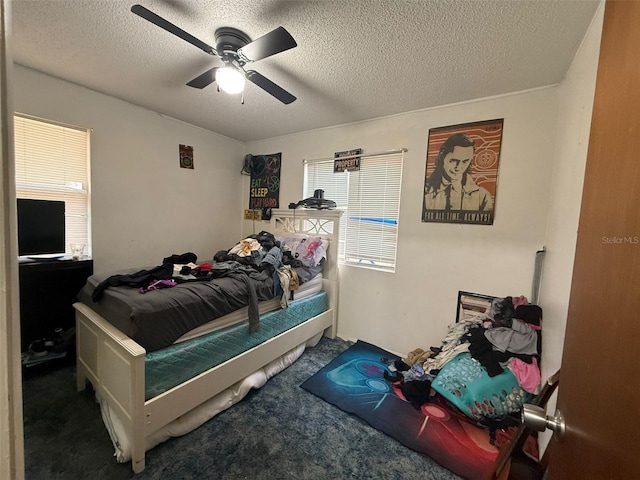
{"x":236,"y":49}
{"x":230,"y":80}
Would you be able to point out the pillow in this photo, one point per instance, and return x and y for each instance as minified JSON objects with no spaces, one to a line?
{"x":310,"y":250}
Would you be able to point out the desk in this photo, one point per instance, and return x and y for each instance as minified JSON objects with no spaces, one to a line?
{"x":48,"y":290}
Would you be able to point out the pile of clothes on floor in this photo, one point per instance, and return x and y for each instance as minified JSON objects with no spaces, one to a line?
{"x":487,"y":366}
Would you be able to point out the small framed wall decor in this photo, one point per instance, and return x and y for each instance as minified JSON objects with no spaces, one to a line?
{"x":461,"y":174}
{"x":186,"y":156}
{"x":347,"y":161}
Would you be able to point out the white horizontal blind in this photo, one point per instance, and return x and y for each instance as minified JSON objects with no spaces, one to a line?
{"x":320,"y":175}
{"x":373,"y":212}
{"x":52,"y":163}
{"x":371,"y":197}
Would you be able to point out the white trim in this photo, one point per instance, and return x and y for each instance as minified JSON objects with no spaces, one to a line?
{"x":11,"y":427}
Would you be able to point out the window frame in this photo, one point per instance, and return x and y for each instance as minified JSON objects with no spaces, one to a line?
{"x":52,"y":162}
{"x":363,"y":222}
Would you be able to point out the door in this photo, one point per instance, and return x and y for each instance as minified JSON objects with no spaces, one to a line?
{"x":599,"y":393}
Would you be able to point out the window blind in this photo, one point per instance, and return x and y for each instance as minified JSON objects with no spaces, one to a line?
{"x":319,"y":175}
{"x":371,"y":198}
{"x":52,"y":163}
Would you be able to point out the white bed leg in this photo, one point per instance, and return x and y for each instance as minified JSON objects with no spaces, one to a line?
{"x":138,"y":414}
{"x":330,"y":332}
{"x":114,"y":364}
{"x":139,"y":465}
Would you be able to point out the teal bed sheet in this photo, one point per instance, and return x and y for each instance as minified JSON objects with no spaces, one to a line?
{"x":171,"y":366}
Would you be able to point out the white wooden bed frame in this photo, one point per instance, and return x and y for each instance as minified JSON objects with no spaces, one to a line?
{"x":115,"y":364}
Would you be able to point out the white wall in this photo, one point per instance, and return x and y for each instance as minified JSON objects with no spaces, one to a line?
{"x":412,"y":307}
{"x":575,"y":104}
{"x":144,"y":206}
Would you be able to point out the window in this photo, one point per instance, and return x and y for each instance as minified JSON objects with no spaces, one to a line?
{"x":52,"y":163}
{"x":371,"y":198}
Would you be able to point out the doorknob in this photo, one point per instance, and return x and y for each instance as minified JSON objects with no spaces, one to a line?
{"x":536,"y":417}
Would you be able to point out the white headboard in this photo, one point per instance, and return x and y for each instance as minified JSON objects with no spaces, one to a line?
{"x":322,"y":223}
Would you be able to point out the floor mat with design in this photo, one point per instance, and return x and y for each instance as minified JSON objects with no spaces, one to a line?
{"x":354,"y":382}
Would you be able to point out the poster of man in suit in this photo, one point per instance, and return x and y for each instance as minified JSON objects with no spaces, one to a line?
{"x":461,"y":173}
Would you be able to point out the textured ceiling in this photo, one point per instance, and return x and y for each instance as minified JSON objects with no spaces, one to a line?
{"x":355,"y":60}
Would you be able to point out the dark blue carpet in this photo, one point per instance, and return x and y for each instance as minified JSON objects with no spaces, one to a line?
{"x":277,"y":432}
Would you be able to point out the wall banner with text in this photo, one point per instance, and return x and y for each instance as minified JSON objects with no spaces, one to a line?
{"x":265,"y":181}
{"x":347,"y":161}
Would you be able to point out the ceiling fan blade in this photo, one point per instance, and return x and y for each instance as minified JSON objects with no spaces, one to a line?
{"x":205,"y":79}
{"x":270,"y":87}
{"x":275,"y":41}
{"x":171,"y":28}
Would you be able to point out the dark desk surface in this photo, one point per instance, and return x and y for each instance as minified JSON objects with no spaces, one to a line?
{"x":64,"y":261}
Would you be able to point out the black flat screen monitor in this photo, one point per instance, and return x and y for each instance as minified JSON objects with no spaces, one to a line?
{"x":41,"y":227}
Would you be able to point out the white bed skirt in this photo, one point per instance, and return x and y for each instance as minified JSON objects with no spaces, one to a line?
{"x":201,"y":414}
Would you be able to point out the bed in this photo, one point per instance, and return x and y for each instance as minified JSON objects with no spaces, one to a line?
{"x":139,"y":412}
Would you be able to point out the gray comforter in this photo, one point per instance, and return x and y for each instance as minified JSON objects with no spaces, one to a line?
{"x":157,"y":318}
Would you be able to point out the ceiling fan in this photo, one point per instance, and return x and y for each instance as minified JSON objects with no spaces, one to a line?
{"x":235,"y":49}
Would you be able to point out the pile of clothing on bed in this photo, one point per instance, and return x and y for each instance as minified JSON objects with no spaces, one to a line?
{"x":487,"y":366}
{"x":289,"y":264}
{"x":291,"y":260}
{"x":257,"y":268}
